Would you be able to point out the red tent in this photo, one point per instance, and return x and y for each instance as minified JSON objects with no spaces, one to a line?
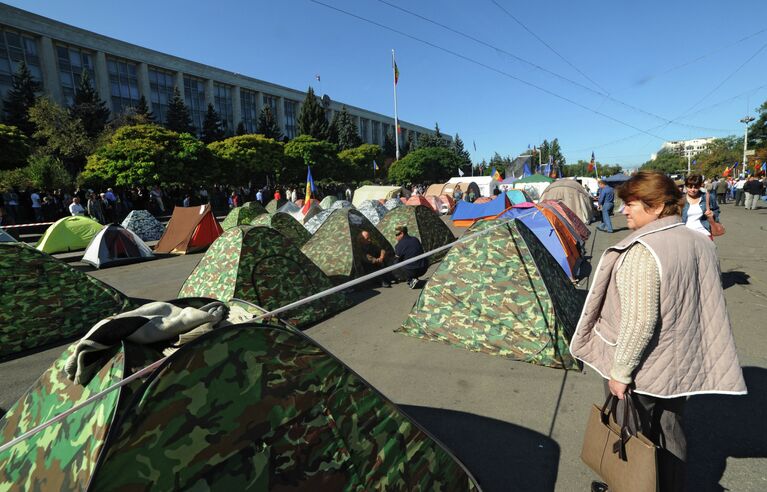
{"x":190,"y":229}
{"x":416,"y":200}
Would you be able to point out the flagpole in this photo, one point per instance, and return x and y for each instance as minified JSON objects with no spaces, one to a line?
{"x":396,"y":119}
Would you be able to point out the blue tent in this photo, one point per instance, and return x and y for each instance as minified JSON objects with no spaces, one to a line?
{"x":517,"y":196}
{"x":544,"y":231}
{"x":467,"y":213}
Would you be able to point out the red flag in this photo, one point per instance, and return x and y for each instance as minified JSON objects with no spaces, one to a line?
{"x":591,"y":163}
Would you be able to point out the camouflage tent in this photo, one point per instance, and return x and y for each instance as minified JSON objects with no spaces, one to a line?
{"x":315,"y":222}
{"x":44,"y":300}
{"x":275,"y":205}
{"x":335,"y":247}
{"x":245,"y":407}
{"x":260,"y":265}
{"x":423,"y":223}
{"x":392,"y":203}
{"x":289,"y":208}
{"x":328,"y":201}
{"x":341,"y":204}
{"x":243,"y":215}
{"x":5,"y":237}
{"x":500,"y":293}
{"x":144,"y":224}
{"x":373,"y":210}
{"x":286,"y":225}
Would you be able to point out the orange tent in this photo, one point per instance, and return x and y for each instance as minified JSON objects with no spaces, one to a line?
{"x":569,"y":243}
{"x":190,"y":229}
{"x":416,"y":200}
{"x":570,"y":216}
{"x":449,"y":201}
{"x":435,"y":203}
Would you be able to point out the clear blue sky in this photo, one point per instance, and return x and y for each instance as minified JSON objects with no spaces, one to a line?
{"x":685,"y":59}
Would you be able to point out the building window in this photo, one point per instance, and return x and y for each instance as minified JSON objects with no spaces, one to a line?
{"x":14,"y":48}
{"x":161,"y":85}
{"x":72,"y":62}
{"x":271,"y":101}
{"x":249,"y":103}
{"x":376,"y":140}
{"x":194,"y":92}
{"x":123,"y":83}
{"x":364,"y":129}
{"x":290,"y":118}
{"x":222,"y":101}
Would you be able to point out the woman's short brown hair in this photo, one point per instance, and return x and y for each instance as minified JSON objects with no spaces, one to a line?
{"x":695,"y":180}
{"x":653,"y":189}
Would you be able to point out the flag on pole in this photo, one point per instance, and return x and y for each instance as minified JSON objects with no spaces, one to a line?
{"x":526,"y":171}
{"x":375,"y":165}
{"x":547,"y":169}
{"x":592,"y":163}
{"x":475,"y":145}
{"x":309,"y":189}
{"x":496,"y":175}
{"x":396,"y":72}
{"x":727,"y":171}
{"x":460,"y":172}
{"x":764,"y":167}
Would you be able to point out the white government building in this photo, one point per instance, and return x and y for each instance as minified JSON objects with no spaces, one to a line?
{"x":57,"y":53}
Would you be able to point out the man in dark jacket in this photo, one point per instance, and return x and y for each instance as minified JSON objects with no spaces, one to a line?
{"x":409,"y":247}
{"x":721,"y":190}
{"x":606,"y":203}
{"x":753,"y":190}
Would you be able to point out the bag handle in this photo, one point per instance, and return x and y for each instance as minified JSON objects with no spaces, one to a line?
{"x":626,"y":433}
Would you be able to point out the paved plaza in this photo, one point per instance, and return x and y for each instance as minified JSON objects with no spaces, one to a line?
{"x":517,"y":426}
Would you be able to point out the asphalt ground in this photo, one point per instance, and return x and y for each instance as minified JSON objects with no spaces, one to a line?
{"x":517,"y":426}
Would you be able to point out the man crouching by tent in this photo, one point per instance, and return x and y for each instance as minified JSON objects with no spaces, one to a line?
{"x":374,"y":257}
{"x":409,"y":247}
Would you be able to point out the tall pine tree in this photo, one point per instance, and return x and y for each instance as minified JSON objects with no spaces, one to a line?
{"x":241,"y":130}
{"x":89,"y":108}
{"x":311,"y":118}
{"x":177,"y":118}
{"x":142,"y":111}
{"x":334,"y":127}
{"x":389,"y":149}
{"x":267,"y":124}
{"x":212,"y":129}
{"x":461,"y":153}
{"x":348,"y":134}
{"x":19,"y":99}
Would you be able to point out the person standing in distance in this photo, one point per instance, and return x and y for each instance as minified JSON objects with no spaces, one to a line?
{"x":606,"y":202}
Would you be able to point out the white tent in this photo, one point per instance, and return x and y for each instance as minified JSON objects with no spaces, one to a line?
{"x":116,"y":245}
{"x":486,"y":184}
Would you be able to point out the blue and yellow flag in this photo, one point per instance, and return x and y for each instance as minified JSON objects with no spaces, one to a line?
{"x":309,"y":189}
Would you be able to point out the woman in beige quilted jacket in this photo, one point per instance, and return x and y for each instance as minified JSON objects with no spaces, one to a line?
{"x":655,"y":322}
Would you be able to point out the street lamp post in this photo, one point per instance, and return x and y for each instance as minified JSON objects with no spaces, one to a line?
{"x":746,"y":120}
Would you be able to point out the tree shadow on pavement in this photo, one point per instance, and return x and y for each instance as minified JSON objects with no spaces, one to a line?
{"x":500,"y":455}
{"x":734,"y":278}
{"x":722,"y":426}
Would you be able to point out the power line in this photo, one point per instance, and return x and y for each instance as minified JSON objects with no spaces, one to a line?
{"x":547,"y":45}
{"x":488,"y":67}
{"x":539,"y":67}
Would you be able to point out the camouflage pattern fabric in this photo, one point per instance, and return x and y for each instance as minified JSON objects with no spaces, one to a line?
{"x":260,"y":265}
{"x":328,"y":201}
{"x":335,"y":247}
{"x":44,"y":300}
{"x":315,"y":222}
{"x":423,"y":223}
{"x":64,"y":455}
{"x":144,"y":225}
{"x":501,"y":293}
{"x":393,"y":203}
{"x":243,"y":215}
{"x":289,"y":208}
{"x":373,"y":210}
{"x":286,"y":225}
{"x":257,"y":407}
{"x":274,"y":205}
{"x":341,"y":204}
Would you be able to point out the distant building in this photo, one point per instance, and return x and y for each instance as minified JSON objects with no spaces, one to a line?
{"x":57,"y":54}
{"x":685,"y":148}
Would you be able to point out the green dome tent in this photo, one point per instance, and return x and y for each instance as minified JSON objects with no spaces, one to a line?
{"x":501,"y":293}
{"x":245,"y":407}
{"x":46,"y":301}
{"x":260,"y":265}
{"x":243,"y":215}
{"x":328,"y":201}
{"x":275,"y":205}
{"x":423,"y":223}
{"x":68,"y":234}
{"x":335,"y":247}
{"x":286,"y":224}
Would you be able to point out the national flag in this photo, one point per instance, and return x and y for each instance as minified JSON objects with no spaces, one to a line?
{"x":375,"y":165}
{"x":547,"y":169}
{"x":496,"y":175}
{"x":460,"y":172}
{"x":764,"y":167}
{"x":399,"y":129}
{"x":526,"y":171}
{"x":756,"y":166}
{"x":396,"y":71}
{"x":727,"y":171}
{"x":309,"y":189}
{"x":592,"y":163}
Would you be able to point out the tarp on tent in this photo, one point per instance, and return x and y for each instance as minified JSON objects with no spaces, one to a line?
{"x":423,"y":223}
{"x":465,"y":213}
{"x":243,"y":215}
{"x":5,"y":237}
{"x":260,"y":265}
{"x":286,"y":225}
{"x":533,"y":185}
{"x":116,"y":245}
{"x":144,"y":224}
{"x":373,"y":210}
{"x":393,"y":203}
{"x":518,"y":196}
{"x":336,"y":249}
{"x":68,"y":234}
{"x":44,"y":300}
{"x":275,"y":205}
{"x":189,"y":229}
{"x":375,"y":192}
{"x":328,"y":201}
{"x":500,"y":293}
{"x":572,"y":194}
{"x":580,"y":228}
{"x":244,"y":407}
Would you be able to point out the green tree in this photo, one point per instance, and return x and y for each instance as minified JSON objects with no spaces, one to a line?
{"x":212,"y":128}
{"x":410,"y":143}
{"x":581,"y":168}
{"x":177,"y":118}
{"x":243,"y":156}
{"x":15,"y":147}
{"x":348,"y":133}
{"x":142,"y":112}
{"x":241,"y":130}
{"x":89,"y":108}
{"x":305,"y":150}
{"x":721,"y":153}
{"x":334,"y":127}
{"x":555,"y":152}
{"x":665,"y":161}
{"x":433,"y":140}
{"x":267,"y":124}
{"x":757,"y":131}
{"x":359,"y":161}
{"x":151,"y":154}
{"x":464,"y":158}
{"x":389,"y":149}
{"x":20,"y":98}
{"x":47,"y":172}
{"x":433,"y":164}
{"x":60,"y":134}
{"x":311,"y":118}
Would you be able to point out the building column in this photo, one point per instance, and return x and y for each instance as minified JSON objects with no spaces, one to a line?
{"x":236,"y":107}
{"x":143,"y":83}
{"x":180,"y":85}
{"x":209,"y":91}
{"x":51,"y":81}
{"x":102,"y":79}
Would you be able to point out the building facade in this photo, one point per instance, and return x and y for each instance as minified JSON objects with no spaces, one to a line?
{"x":57,"y":54}
{"x":685,"y":148}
